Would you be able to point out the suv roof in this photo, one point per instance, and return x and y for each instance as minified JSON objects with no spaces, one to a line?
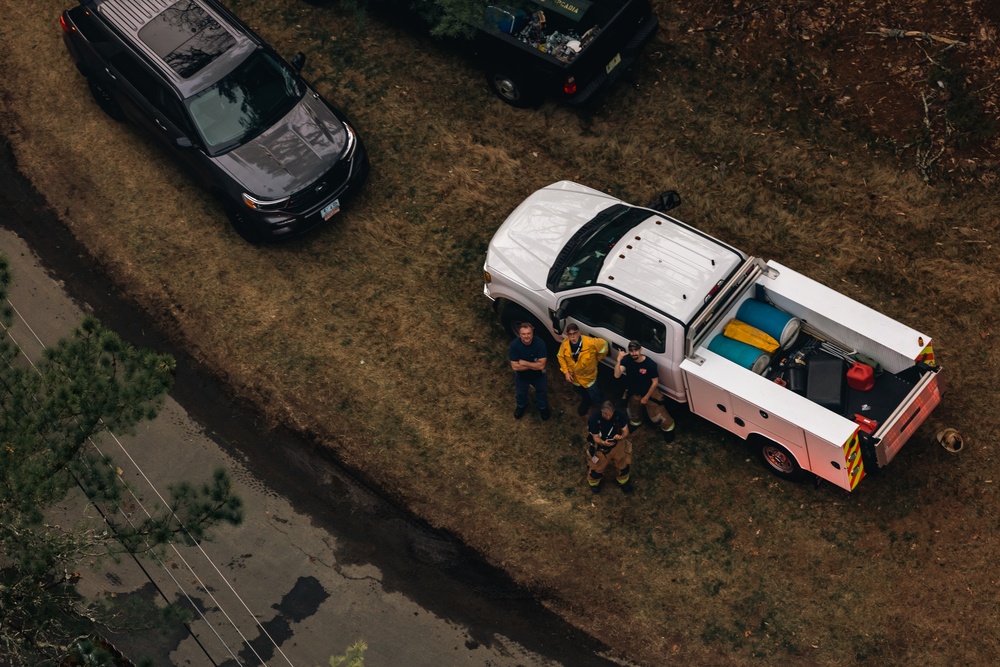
{"x":189,"y":41}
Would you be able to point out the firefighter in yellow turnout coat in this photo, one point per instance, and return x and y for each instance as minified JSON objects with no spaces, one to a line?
{"x":578,"y":358}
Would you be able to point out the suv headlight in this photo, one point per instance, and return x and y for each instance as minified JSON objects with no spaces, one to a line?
{"x":264,"y":204}
{"x":352,"y":142}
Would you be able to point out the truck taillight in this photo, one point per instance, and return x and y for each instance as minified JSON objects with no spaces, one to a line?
{"x":570,"y":86}
{"x":66,"y":27}
{"x":854,"y":460}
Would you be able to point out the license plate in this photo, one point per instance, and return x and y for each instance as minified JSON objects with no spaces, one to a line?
{"x":330,"y":209}
{"x":614,"y":63}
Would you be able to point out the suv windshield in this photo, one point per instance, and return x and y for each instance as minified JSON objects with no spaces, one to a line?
{"x":252,"y":98}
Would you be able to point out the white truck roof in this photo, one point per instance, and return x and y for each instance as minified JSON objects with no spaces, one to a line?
{"x":669,"y":266}
{"x":662,"y":262}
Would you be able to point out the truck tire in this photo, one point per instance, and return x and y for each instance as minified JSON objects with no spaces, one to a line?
{"x":779,"y":460}
{"x":511,"y":315}
{"x":511,"y":89}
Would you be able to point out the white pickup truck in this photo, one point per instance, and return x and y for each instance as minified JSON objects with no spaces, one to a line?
{"x":842,"y":393}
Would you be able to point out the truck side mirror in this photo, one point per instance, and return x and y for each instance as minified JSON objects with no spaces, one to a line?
{"x":666,"y":201}
{"x":299,"y":61}
{"x":557,"y":316}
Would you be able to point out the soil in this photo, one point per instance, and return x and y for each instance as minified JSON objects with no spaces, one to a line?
{"x":918,"y":76}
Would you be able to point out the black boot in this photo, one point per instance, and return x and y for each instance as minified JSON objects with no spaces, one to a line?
{"x":627,"y":487}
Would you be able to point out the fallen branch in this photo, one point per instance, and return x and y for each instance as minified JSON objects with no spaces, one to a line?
{"x":925,"y":159}
{"x":916,"y":34}
{"x":731,"y":17}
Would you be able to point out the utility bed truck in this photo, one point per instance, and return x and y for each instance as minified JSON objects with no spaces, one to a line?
{"x":842,"y":393}
{"x":567,"y":50}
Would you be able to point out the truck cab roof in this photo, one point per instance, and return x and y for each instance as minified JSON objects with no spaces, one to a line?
{"x":568,"y":236}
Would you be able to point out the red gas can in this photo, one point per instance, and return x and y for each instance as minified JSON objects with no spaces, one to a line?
{"x":860,"y":377}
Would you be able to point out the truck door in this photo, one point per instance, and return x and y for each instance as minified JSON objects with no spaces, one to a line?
{"x":618,"y":322}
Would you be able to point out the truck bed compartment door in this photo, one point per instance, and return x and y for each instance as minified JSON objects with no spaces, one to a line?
{"x":711,"y":402}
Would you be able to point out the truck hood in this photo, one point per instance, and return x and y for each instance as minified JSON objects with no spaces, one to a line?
{"x":292,"y":154}
{"x":529,"y":240}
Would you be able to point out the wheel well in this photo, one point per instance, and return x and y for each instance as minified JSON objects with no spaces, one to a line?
{"x":756,"y":440}
{"x":507,"y":310}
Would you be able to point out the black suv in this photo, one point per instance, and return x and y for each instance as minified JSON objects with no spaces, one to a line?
{"x":239,"y":118}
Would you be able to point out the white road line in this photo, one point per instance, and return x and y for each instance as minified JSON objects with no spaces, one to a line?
{"x":204,"y":587}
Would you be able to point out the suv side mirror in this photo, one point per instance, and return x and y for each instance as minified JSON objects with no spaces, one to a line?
{"x":666,"y":201}
{"x":299,"y":61}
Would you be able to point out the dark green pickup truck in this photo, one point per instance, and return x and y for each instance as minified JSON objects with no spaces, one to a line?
{"x":563,"y":49}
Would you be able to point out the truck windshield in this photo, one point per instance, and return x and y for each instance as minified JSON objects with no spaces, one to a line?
{"x":580,"y":262}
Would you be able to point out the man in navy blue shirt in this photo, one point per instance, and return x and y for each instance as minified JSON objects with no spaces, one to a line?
{"x":528,"y":355}
{"x":642,"y":383}
{"x":609,"y":446}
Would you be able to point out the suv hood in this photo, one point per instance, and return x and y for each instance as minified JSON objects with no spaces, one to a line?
{"x":292,"y":154}
{"x":530,"y":239}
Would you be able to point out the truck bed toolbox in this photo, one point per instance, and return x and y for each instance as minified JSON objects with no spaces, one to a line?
{"x":826,"y":381}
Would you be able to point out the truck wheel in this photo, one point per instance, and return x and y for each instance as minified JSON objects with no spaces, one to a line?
{"x":510,"y":89}
{"x":511,"y":315}
{"x":780,"y":461}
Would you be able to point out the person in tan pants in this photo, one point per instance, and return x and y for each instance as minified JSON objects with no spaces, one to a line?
{"x":642,"y":383}
{"x":609,"y":446}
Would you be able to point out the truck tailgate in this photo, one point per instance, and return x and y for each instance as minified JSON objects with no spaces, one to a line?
{"x":910,"y":414}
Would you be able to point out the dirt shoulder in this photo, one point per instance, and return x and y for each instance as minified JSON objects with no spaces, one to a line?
{"x":919,"y":78}
{"x":372,"y":336}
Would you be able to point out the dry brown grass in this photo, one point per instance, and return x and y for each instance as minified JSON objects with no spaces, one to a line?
{"x":374,"y":335}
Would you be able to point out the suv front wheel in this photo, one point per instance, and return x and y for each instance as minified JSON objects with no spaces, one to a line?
{"x":242,"y":223}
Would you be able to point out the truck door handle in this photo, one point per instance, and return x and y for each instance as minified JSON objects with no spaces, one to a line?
{"x":113,"y":77}
{"x":159,"y":123}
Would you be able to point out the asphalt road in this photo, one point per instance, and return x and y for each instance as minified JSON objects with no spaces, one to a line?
{"x":321,"y":560}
